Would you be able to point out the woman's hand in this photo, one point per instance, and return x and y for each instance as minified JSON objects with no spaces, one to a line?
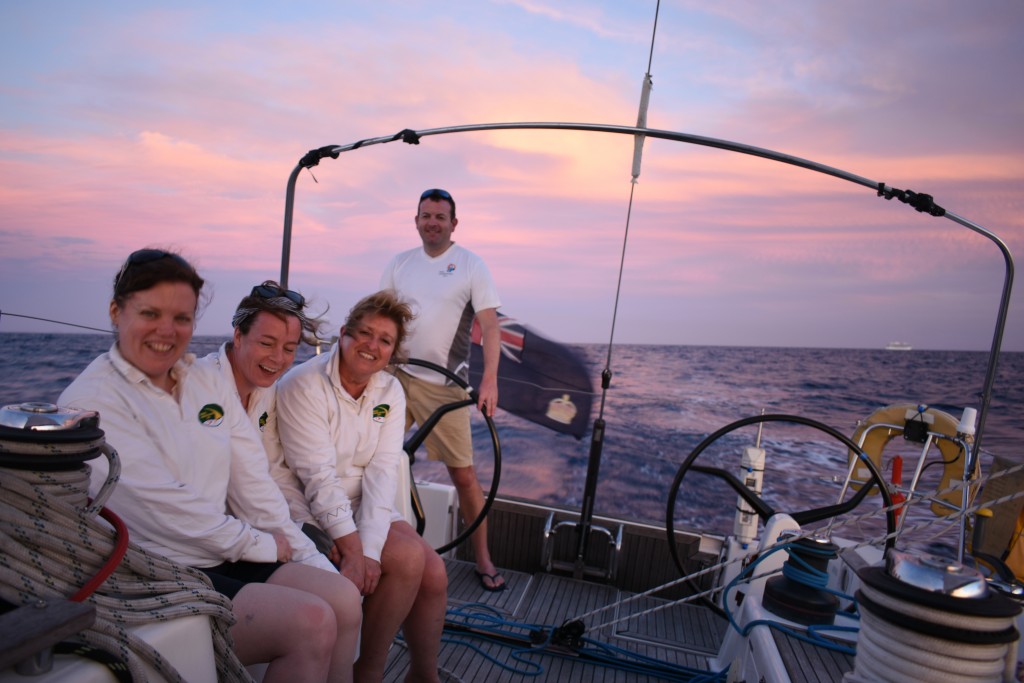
{"x":372,"y":575}
{"x":353,"y":564}
{"x":284,"y":548}
{"x":353,"y":568}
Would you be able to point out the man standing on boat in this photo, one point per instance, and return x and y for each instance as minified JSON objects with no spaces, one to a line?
{"x":448,"y":286}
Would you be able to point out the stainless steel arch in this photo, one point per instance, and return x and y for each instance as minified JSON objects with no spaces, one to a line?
{"x":313,"y":157}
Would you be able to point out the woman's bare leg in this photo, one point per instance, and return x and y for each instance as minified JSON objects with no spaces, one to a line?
{"x":294,"y":631}
{"x":345,"y":602}
{"x":386,"y":608}
{"x":425,"y":623}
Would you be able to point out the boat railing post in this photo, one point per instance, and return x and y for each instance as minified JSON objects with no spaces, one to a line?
{"x":286,"y":238}
{"x":308,"y":160}
{"x":589,"y":493}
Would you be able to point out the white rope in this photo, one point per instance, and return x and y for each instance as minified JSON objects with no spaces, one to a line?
{"x":50,"y":548}
{"x":888,"y":652}
{"x":70,"y":485}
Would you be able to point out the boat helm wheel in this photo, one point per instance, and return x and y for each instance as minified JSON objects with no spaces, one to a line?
{"x":414,"y":441}
{"x":763,"y":509}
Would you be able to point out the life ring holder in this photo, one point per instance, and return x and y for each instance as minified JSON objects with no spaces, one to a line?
{"x":884,"y":424}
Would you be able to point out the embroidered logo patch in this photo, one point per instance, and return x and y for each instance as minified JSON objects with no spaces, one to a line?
{"x":263,"y":420}
{"x":211,"y":415}
{"x":380,"y":412}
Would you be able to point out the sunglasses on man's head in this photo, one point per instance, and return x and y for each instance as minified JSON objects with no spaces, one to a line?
{"x":431,"y":194}
{"x":268,"y":291}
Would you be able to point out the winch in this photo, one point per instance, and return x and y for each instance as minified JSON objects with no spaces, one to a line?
{"x":43,"y":436}
{"x":927,"y":618}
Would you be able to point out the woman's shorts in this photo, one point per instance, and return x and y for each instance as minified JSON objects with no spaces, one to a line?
{"x":230,"y":577}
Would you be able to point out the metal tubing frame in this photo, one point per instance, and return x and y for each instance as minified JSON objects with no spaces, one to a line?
{"x":313,"y":157}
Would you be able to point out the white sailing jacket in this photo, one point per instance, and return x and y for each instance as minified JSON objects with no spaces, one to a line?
{"x":262,"y":414}
{"x":345,"y":451}
{"x":183,"y":462}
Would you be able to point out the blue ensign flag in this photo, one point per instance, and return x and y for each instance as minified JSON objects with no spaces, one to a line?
{"x":538,"y":379}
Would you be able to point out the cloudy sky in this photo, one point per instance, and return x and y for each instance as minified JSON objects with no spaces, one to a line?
{"x":126,"y":124}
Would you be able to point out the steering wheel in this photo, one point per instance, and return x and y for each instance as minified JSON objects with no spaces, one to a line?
{"x":421,"y":433}
{"x":762,"y":508}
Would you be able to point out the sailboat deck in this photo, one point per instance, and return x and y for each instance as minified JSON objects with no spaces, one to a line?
{"x":682,"y":635}
{"x":809,"y":663}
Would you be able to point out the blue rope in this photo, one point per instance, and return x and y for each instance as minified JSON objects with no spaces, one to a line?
{"x":489,"y":625}
{"x":487,"y":634}
{"x":531,"y":668}
{"x":812,"y":576}
{"x":808,"y":575}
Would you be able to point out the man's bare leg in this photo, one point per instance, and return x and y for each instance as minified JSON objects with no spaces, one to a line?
{"x":471,"y":502}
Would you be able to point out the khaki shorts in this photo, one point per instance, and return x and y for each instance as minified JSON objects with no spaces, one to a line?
{"x":451,"y":439}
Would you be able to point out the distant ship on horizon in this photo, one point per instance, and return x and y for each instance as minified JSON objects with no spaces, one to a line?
{"x":898,"y":346}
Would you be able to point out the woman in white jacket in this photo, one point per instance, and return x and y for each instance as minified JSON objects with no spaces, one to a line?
{"x":187,"y":456}
{"x":269,"y":325}
{"x":341,"y":419}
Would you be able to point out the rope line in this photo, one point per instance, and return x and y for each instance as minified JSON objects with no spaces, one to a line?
{"x":891,"y":650}
{"x":850,"y":520}
{"x":48,"y":320}
{"x":529,"y":641}
{"x":50,"y":549}
{"x":812,"y":633}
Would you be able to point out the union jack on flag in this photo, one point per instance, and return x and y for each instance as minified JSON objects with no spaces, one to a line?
{"x":512,"y":336}
{"x":546,"y":382}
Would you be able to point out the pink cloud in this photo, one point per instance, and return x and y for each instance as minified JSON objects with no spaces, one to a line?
{"x":191,"y":140}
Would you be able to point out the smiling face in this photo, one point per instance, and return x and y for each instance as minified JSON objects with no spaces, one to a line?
{"x":435,"y":225}
{"x":366,"y":348}
{"x":154,"y":327}
{"x":261,"y":356}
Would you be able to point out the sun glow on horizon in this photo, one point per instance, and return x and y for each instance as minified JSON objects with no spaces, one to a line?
{"x":183,"y":134}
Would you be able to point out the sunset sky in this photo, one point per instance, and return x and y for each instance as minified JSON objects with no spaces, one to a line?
{"x":126,"y":124}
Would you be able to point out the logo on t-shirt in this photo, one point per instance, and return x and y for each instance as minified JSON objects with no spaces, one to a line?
{"x":263,"y":420}
{"x":380,"y":412}
{"x":211,"y":415}
{"x":449,"y":270}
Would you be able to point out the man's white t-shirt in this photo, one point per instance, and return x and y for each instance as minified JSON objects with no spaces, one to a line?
{"x":445,"y":293}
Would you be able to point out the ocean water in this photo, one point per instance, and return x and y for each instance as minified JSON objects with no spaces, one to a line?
{"x":662,"y":402}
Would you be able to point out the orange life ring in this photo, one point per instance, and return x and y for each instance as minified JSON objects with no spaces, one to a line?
{"x":952,"y":455}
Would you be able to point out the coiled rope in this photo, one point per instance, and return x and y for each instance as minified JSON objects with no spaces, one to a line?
{"x":50,"y":547}
{"x":904,"y":642}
